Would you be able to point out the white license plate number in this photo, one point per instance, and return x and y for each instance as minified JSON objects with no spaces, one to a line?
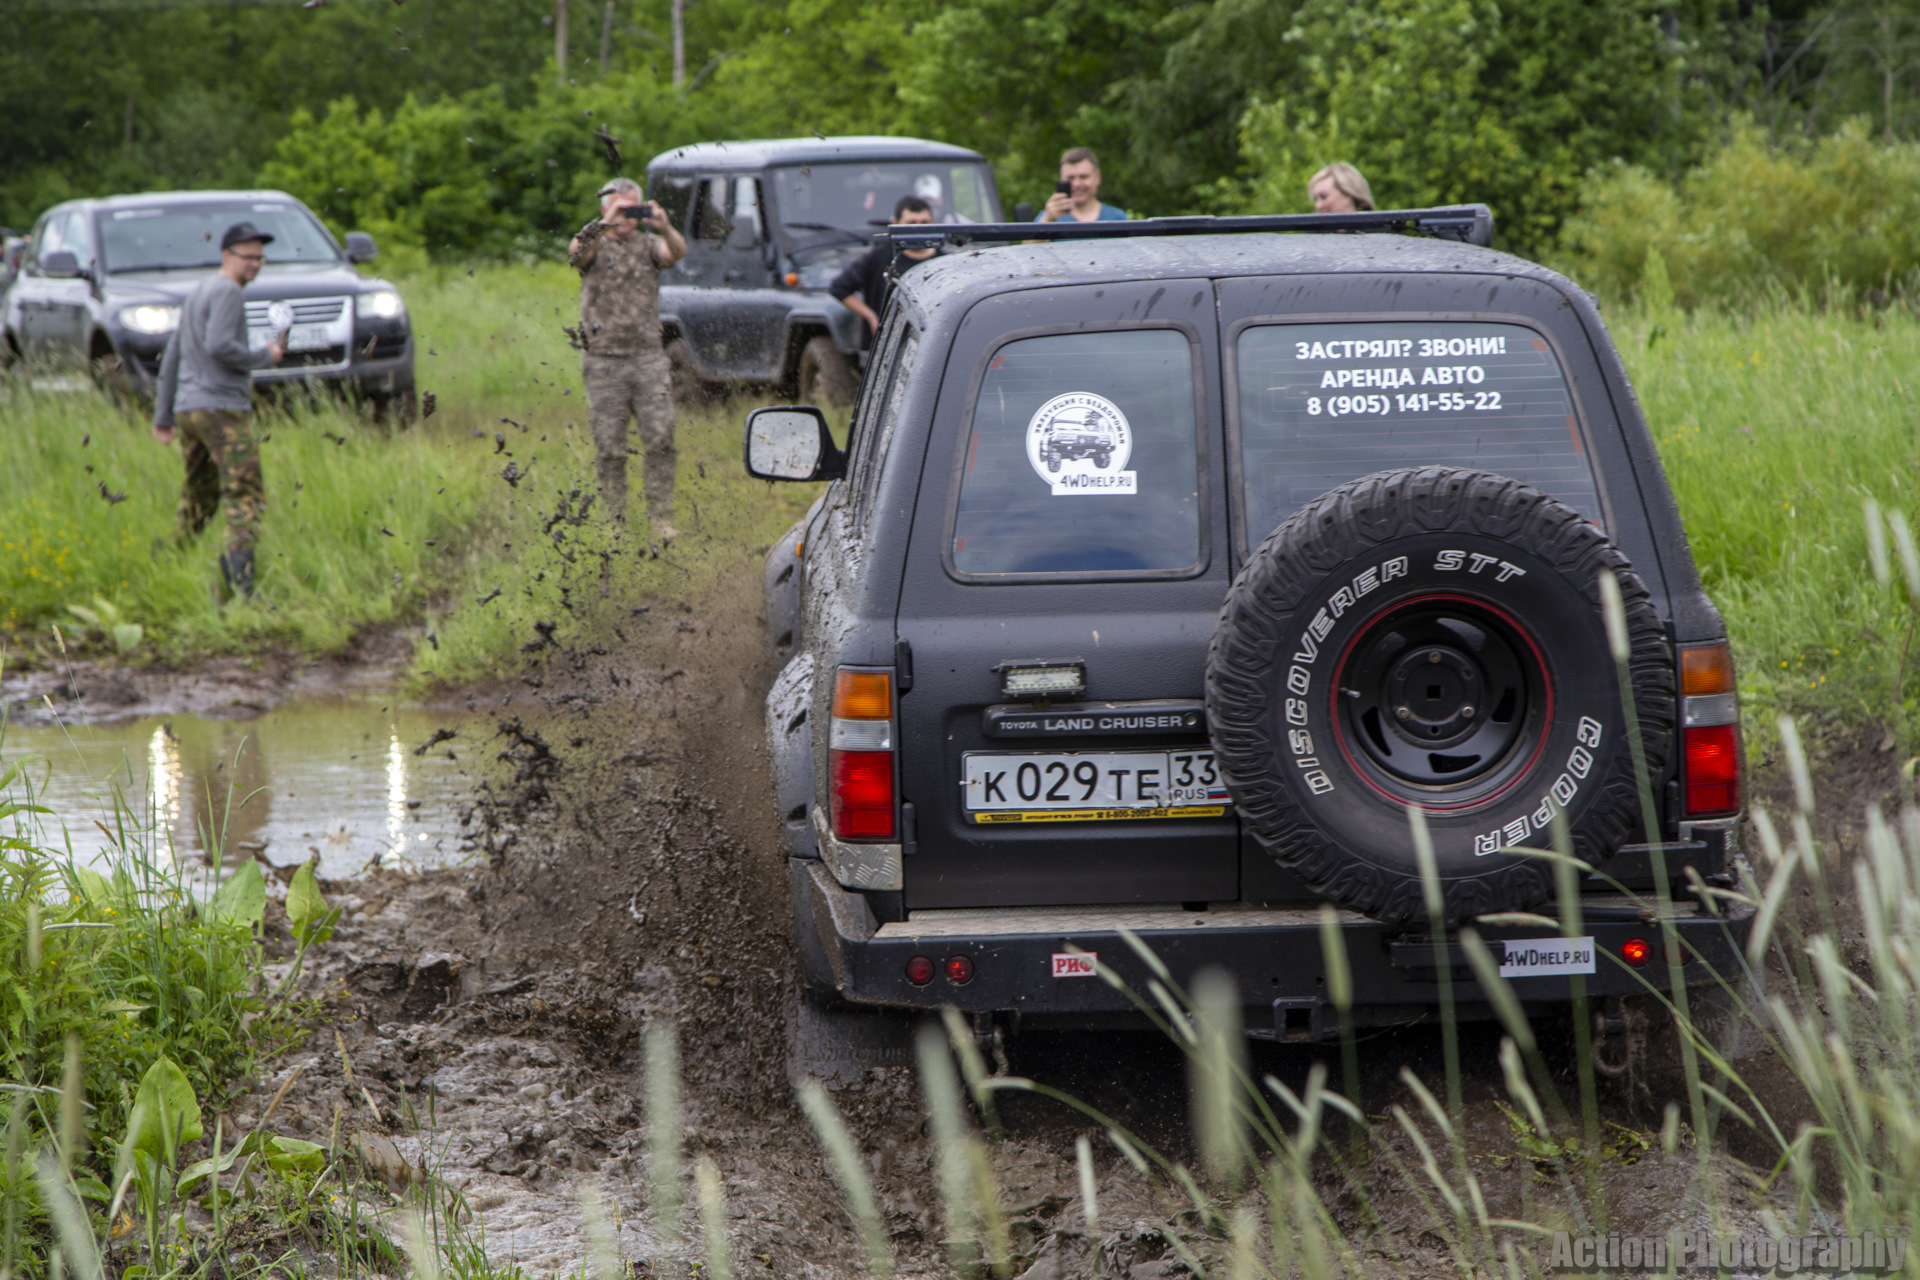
{"x":302,"y":337}
{"x":1066,"y":787}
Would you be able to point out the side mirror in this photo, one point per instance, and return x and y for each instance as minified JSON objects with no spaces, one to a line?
{"x":60,"y":264}
{"x":360,"y":247}
{"x":1024,"y":211}
{"x":792,"y":443}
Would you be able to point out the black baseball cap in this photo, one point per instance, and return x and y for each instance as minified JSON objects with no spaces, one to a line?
{"x":241,"y":232}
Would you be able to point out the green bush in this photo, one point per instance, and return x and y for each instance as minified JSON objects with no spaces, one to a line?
{"x":1450,"y":101}
{"x":474,"y":175}
{"x":1836,"y":216}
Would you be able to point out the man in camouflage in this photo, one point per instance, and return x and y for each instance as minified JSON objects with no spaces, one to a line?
{"x":205,"y":397}
{"x":623,"y":365}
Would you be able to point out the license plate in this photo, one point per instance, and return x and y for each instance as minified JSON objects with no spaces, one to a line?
{"x":1547,"y":957}
{"x":302,"y":337}
{"x":1092,"y":787}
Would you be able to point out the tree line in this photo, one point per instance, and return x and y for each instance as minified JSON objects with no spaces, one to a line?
{"x":465,"y":127}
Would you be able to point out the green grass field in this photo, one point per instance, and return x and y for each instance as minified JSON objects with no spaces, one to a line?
{"x":1775,"y":429}
{"x":365,"y":526}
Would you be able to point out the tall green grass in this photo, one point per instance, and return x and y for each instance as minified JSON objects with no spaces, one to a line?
{"x":367,"y":526}
{"x":1774,"y":427}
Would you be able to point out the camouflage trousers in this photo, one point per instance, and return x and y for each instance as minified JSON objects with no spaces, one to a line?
{"x":223,"y":470}
{"x":623,"y":388}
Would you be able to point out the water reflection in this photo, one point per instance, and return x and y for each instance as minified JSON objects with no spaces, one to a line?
{"x":336,"y":778}
{"x":163,"y":764}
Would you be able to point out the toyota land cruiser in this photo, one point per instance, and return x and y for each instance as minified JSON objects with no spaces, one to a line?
{"x":1169,"y":564}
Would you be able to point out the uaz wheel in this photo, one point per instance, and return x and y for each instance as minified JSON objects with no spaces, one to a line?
{"x":1433,"y":637}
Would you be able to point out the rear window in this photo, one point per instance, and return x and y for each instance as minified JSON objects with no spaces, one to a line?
{"x":1322,"y":404}
{"x":1082,"y":458}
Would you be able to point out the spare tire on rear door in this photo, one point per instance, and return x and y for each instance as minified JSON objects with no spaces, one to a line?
{"x":1433,"y":637}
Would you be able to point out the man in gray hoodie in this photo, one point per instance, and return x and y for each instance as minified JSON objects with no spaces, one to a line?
{"x":206,"y":398}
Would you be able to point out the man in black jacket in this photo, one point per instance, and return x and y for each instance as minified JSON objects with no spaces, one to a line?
{"x":862,"y":287}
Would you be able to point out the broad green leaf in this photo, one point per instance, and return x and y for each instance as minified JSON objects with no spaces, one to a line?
{"x":242,"y":899}
{"x":85,"y":614}
{"x":307,"y":913}
{"x":165,"y":1112}
{"x":289,"y":1155}
{"x":97,"y":889}
{"x":127,"y":636}
{"x":191,"y":1176}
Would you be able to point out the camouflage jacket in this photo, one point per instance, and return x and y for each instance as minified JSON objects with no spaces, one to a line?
{"x":619,"y":291}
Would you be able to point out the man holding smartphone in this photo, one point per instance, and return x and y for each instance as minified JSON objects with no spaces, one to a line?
{"x":623,"y":364}
{"x":1077,"y":194}
{"x":205,"y":397}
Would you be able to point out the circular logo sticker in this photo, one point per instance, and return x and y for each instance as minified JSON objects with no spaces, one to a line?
{"x":1080,"y":443}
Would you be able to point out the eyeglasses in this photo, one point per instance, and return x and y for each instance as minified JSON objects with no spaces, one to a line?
{"x":249,"y":257}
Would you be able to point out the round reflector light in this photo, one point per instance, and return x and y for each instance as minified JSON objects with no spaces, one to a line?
{"x":919,"y":971}
{"x":1636,"y":951}
{"x":959,"y":970}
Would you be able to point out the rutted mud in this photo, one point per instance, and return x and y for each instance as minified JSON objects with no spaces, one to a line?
{"x":490,"y":1019}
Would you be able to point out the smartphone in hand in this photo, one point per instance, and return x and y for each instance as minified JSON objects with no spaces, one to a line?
{"x":1063,"y":187}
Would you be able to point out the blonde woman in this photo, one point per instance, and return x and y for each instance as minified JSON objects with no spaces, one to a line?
{"x":1339,"y":188}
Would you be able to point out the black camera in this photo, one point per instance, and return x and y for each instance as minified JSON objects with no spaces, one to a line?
{"x":637,"y":212}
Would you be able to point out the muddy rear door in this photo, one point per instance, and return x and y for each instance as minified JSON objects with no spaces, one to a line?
{"x":1071,"y":513}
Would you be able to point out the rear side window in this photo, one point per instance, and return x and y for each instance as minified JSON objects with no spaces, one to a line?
{"x":1082,"y":458}
{"x":1322,"y":404}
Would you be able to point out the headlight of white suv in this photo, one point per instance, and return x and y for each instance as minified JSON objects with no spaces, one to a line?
{"x":382,"y":304}
{"x":150,"y":318}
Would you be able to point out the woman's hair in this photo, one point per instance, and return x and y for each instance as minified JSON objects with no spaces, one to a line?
{"x":1347,"y":181}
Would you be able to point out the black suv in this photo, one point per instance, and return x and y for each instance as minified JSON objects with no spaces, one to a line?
{"x":769,"y":224}
{"x":1171,"y":563}
{"x":101,"y":283}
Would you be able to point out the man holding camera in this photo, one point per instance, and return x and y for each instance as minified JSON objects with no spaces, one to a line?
{"x":1077,"y":194}
{"x":623,"y":365}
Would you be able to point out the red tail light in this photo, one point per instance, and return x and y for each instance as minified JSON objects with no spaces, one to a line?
{"x":862,"y":796}
{"x":1709,"y":732}
{"x":1636,"y":951}
{"x":860,"y":756}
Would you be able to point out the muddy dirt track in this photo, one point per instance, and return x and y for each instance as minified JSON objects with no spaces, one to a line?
{"x":492,"y":1018}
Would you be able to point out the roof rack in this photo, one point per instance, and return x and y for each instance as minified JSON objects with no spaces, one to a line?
{"x":1467,"y":223}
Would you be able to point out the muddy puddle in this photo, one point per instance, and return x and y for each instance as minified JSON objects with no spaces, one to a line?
{"x":357,"y":781}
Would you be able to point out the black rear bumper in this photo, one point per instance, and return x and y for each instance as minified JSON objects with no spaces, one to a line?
{"x":1274,"y":954}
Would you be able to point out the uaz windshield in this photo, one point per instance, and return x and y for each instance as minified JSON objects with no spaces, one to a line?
{"x":859,"y":197}
{"x":174,"y":237}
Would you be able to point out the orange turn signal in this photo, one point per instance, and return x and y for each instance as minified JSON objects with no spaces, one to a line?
{"x":1706,"y":669}
{"x":793,"y":278}
{"x":863,"y":695}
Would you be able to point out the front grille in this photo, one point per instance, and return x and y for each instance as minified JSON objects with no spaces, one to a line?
{"x":321,"y":355}
{"x":383,"y":347}
{"x":305,"y":311}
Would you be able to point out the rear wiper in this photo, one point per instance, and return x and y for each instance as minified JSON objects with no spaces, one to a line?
{"x":163,"y":266}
